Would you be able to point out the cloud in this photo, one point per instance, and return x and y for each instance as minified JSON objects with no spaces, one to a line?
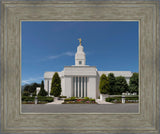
{"x":30,"y":80}
{"x":69,"y":53}
{"x":60,"y":55}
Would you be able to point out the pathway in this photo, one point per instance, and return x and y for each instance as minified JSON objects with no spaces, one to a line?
{"x":102,"y":102}
{"x":56,"y":102}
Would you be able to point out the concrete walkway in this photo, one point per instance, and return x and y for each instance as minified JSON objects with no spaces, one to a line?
{"x":102,"y":102}
{"x":56,"y":102}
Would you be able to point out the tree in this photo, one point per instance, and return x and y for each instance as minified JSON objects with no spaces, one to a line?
{"x":26,"y":88}
{"x":30,"y":88}
{"x":121,"y":85}
{"x":56,"y":85}
{"x":25,"y":93}
{"x":104,"y":84}
{"x":33,"y":87}
{"x":133,"y":83}
{"x":42,"y":92}
{"x":112,"y":83}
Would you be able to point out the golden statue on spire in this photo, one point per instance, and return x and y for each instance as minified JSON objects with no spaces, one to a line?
{"x":80,"y":40}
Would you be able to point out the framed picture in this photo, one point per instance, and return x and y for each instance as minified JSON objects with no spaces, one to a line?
{"x":80,"y":66}
{"x":32,"y":34}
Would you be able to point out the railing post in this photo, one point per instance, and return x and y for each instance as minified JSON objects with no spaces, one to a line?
{"x":123,"y":99}
{"x":36,"y":99}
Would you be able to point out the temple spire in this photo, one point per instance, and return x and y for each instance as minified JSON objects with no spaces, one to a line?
{"x":80,"y":40}
{"x":80,"y":58}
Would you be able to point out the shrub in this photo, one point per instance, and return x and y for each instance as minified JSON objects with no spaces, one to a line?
{"x":73,"y":98}
{"x":86,"y":98}
{"x":131,"y":98}
{"x":62,"y":96}
{"x":25,"y":93}
{"x":109,"y":99}
{"x":67,"y":99}
{"x":47,"y":99}
{"x":91,"y":99}
{"x":27,"y":98}
{"x":118,"y":99}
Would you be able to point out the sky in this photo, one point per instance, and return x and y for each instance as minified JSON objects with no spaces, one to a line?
{"x":51,"y":45}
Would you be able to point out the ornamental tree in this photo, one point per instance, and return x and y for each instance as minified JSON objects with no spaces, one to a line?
{"x":104,"y":84}
{"x":42,"y":92}
{"x":121,"y":85}
{"x":56,"y":85}
{"x":133,"y":83}
{"x":112,"y":83}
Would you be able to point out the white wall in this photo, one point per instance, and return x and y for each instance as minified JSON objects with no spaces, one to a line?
{"x":45,"y":85}
{"x":91,"y":87}
{"x":97,"y":88}
{"x":68,"y":86}
{"x":63,"y":86}
{"x":49,"y":86}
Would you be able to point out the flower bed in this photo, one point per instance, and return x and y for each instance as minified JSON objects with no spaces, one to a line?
{"x":74,"y":100}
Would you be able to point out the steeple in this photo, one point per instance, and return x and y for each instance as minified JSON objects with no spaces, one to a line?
{"x":80,"y":57}
{"x":80,"y":40}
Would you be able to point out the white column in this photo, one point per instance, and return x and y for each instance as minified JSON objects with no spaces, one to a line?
{"x":45,"y":85}
{"x":85,"y":87}
{"x":78,"y":86}
{"x":81,"y":86}
{"x":75,"y":86}
{"x":49,"y":87}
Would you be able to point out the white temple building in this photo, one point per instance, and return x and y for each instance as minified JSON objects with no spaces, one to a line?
{"x":81,"y":80}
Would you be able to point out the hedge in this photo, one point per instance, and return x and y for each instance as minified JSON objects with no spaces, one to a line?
{"x":27,"y":98}
{"x":43,"y":98}
{"x":70,"y":99}
{"x":131,"y":98}
{"x":62,"y":96}
{"x":112,"y":99}
{"x":40,"y":98}
{"x":120,"y":98}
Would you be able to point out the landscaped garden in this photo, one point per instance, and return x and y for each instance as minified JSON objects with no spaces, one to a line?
{"x":74,"y":100}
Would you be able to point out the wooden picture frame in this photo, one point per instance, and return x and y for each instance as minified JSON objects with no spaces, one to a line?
{"x":146,"y":12}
